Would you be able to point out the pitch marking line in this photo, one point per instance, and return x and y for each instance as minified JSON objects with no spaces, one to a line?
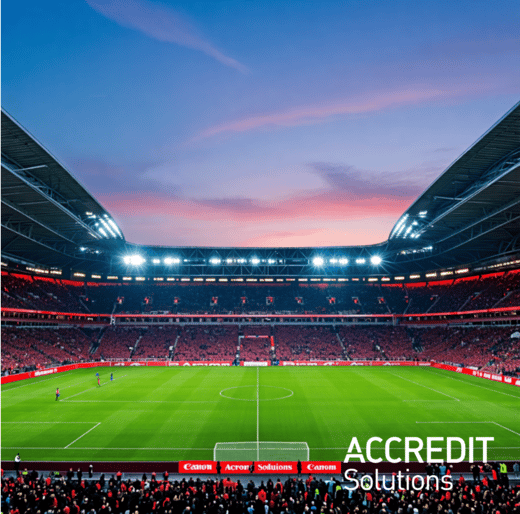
{"x":82,"y":435}
{"x":53,"y":422}
{"x":89,"y":389}
{"x":204,"y":449}
{"x":431,"y":389}
{"x":472,"y":384}
{"x":491,"y":422}
{"x":142,"y":401}
{"x":57,"y":375}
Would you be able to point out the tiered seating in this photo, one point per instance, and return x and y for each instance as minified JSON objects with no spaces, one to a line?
{"x":253,"y":348}
{"x":155,"y":343}
{"x":42,"y":347}
{"x":207,"y":343}
{"x":117,"y":341}
{"x":306,"y":343}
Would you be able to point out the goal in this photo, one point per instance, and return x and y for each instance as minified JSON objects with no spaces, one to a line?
{"x":261,"y":450}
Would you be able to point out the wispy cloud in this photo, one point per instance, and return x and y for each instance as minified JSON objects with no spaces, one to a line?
{"x":162,"y":23}
{"x":312,"y":114}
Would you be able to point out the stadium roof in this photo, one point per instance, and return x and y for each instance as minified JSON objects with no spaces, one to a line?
{"x":48,"y":217}
{"x":469,"y":215}
{"x":472,"y":211}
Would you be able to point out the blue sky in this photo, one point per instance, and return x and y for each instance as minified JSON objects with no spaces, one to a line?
{"x":258,"y":123}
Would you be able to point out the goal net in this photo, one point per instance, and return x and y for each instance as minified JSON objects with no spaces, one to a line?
{"x":262,"y":450}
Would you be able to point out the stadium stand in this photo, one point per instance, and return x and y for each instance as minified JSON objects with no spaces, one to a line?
{"x":30,"y":492}
{"x":464,"y":294}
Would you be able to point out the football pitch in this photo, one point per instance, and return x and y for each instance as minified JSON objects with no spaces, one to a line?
{"x":169,"y":414}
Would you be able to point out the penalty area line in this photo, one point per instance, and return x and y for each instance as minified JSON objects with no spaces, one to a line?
{"x":430,"y":388}
{"x":82,"y":435}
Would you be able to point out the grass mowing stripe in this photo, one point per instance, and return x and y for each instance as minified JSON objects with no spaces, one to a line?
{"x":89,"y":389}
{"x":431,"y":389}
{"x":58,"y":375}
{"x":471,"y":383}
{"x":493,"y":422}
{"x":83,"y":435}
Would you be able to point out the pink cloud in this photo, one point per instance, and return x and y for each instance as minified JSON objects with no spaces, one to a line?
{"x":362,"y":105}
{"x":161,"y":23}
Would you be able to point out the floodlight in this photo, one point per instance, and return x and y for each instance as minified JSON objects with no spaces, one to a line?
{"x":214,"y":261}
{"x":168,"y":261}
{"x":135,"y":260}
{"x":343,"y":261}
{"x":375,"y":259}
{"x":318,"y":261}
{"x":360,"y":261}
{"x":156,"y":261}
{"x":255,"y":261}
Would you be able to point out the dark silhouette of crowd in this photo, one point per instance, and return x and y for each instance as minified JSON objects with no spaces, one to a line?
{"x":73,"y":494}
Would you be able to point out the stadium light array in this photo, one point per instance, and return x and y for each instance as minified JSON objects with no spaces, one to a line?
{"x":375,"y":259}
{"x":360,"y":260}
{"x":134,"y":260}
{"x":156,"y":261}
{"x":171,"y":260}
{"x":215,"y":261}
{"x":255,"y":261}
{"x":343,"y":261}
{"x":318,"y":261}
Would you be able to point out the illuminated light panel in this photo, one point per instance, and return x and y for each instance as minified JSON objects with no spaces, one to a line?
{"x":96,"y":276}
{"x":170,"y":279}
{"x":79,"y":274}
{"x":343,"y":261}
{"x":464,"y":270}
{"x":444,"y":273}
{"x":134,"y":260}
{"x":185,"y":279}
{"x":431,"y":275}
{"x":255,"y":261}
{"x":127,"y":278}
{"x":318,"y":261}
{"x":399,"y":278}
{"x":372,"y":279}
{"x":385,"y":279}
{"x":112,"y":277}
{"x":251,"y":280}
{"x":210,"y":280}
{"x":415,"y":276}
{"x":158,"y":279}
{"x":342,"y":279}
{"x":361,"y":260}
{"x":302,"y":280}
{"x":222,"y":279}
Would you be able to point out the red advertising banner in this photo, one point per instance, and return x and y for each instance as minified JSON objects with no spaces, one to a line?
{"x":235,"y":467}
{"x":276,"y":467}
{"x":197,"y":466}
{"x":354,"y":363}
{"x":321,"y":467}
{"x":496,"y":377}
{"x":200,"y":363}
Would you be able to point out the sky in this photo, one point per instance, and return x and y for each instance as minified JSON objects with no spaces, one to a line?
{"x":258,"y":123}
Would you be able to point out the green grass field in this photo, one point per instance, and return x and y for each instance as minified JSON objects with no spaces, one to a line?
{"x":165,"y":414}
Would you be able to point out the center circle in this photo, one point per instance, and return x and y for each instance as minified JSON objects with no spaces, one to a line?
{"x":253,"y":393}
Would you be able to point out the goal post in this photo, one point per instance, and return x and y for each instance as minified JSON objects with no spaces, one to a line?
{"x":261,"y":450}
